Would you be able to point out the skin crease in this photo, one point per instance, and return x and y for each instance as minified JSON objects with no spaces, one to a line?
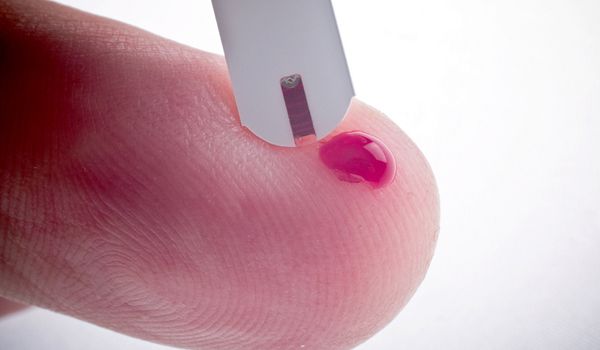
{"x":130,"y":197}
{"x":8,"y":307}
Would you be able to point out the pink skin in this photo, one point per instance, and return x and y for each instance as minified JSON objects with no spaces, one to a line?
{"x":130,"y":197}
{"x":8,"y":307}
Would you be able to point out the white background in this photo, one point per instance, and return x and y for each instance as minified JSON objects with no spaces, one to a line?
{"x":504,"y":99}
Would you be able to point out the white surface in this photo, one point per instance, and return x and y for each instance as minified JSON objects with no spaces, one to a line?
{"x":266,"y":40}
{"x":504,"y":99}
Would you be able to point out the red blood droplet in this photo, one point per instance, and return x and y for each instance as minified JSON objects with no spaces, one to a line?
{"x":356,"y":156}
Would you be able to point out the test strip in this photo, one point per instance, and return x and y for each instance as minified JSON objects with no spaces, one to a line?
{"x":287,"y":66}
{"x":298,"y":111}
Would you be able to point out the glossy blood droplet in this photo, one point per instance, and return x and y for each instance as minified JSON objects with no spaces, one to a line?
{"x":356,"y":156}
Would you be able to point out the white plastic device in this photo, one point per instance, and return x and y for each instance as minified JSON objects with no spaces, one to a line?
{"x":287,"y":66}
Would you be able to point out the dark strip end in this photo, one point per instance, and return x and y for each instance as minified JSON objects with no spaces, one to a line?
{"x":297,"y":109}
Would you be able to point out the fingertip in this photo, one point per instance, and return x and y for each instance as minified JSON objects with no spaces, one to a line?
{"x":172,"y":223}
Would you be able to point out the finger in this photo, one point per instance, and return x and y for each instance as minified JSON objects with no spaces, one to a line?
{"x":8,"y":307}
{"x":132,"y":198}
